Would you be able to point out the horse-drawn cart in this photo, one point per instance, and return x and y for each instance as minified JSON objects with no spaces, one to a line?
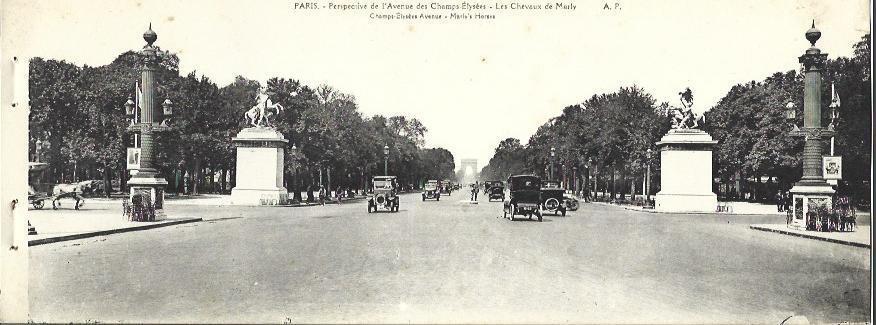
{"x":37,"y":199}
{"x":52,"y":192}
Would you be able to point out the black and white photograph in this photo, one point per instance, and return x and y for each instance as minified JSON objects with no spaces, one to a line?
{"x":436,"y":161}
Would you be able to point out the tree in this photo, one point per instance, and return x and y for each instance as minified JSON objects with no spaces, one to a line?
{"x":753,"y":136}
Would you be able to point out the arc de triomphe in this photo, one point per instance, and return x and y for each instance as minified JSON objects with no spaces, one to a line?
{"x":465,"y":165}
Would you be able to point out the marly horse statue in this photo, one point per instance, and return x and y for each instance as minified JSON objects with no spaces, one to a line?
{"x":259,"y":114}
{"x":684,"y":118}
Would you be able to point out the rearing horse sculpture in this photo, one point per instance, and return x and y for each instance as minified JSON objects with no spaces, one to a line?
{"x":258,"y":115}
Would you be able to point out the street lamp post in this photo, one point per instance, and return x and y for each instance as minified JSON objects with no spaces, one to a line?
{"x":574,"y":179}
{"x":834,"y":114}
{"x":296,"y":192}
{"x":553,"y":155}
{"x":649,"y":154}
{"x":812,"y":188}
{"x":386,"y":160}
{"x":147,"y":181}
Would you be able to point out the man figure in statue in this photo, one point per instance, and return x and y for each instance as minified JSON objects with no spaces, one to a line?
{"x":684,"y":118}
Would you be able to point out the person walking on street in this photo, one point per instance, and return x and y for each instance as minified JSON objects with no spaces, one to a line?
{"x":321,"y":195}
{"x":474,"y":191}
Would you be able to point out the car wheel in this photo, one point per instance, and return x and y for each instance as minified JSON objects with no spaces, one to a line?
{"x":424,"y":198}
{"x":511,"y":213}
{"x":38,"y":204}
{"x":438,"y":198}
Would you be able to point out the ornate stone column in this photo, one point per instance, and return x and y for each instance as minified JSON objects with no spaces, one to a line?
{"x":812,"y":189}
{"x":147,"y":181}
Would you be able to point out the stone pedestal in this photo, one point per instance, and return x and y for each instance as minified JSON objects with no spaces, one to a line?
{"x":686,"y":172}
{"x":153,"y":187}
{"x":259,"y":176}
{"x":805,"y":197}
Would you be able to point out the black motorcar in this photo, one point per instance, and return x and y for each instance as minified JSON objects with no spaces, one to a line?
{"x":496,"y":191}
{"x":524,"y":197}
{"x":552,"y":198}
{"x":385,"y":194}
{"x":488,"y":185}
{"x":431,"y":190}
{"x":446,"y":187}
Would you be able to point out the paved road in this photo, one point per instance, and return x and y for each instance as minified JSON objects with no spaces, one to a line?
{"x":449,"y":261}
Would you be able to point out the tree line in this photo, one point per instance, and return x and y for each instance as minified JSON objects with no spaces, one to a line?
{"x":600,"y":144}
{"x":78,"y":119}
{"x":608,"y":135}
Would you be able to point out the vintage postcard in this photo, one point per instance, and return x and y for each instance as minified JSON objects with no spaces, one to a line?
{"x":436,"y":161}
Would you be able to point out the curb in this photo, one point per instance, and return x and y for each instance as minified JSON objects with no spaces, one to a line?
{"x":795,"y":234}
{"x":683,"y":212}
{"x":310,"y":204}
{"x":50,"y":240}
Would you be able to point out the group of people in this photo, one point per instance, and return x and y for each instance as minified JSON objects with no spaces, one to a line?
{"x":783,"y":201}
{"x":340,"y":192}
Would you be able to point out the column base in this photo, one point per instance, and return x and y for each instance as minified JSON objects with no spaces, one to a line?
{"x":806,"y":194}
{"x":243,"y":196}
{"x":686,"y":202}
{"x":154,"y":187}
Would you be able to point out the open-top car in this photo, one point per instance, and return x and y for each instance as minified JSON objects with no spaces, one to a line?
{"x":432,"y":190}
{"x":385,"y":196}
{"x":552,"y":198}
{"x":496,"y":191}
{"x":524,"y":197}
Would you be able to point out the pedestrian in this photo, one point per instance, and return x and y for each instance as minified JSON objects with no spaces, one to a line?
{"x":321,"y":195}
{"x":780,"y":201}
{"x":474,"y":191}
{"x":787,"y":201}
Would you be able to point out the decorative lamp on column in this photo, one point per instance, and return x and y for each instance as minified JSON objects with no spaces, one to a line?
{"x":553,"y":155}
{"x":129,"y":108}
{"x":791,"y":115}
{"x":167,"y":110}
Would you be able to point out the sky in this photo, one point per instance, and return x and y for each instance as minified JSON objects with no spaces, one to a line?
{"x":472,"y":83}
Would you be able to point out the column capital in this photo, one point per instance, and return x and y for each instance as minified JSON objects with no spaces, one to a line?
{"x":813,"y":60}
{"x":817,"y":134}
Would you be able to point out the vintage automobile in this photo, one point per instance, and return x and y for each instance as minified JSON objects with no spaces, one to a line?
{"x":385,"y":194}
{"x":524,"y":197}
{"x":486,"y":186}
{"x":571,"y":202}
{"x":552,"y":198}
{"x":446,"y":187}
{"x":432,"y":190}
{"x":496,"y":191}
